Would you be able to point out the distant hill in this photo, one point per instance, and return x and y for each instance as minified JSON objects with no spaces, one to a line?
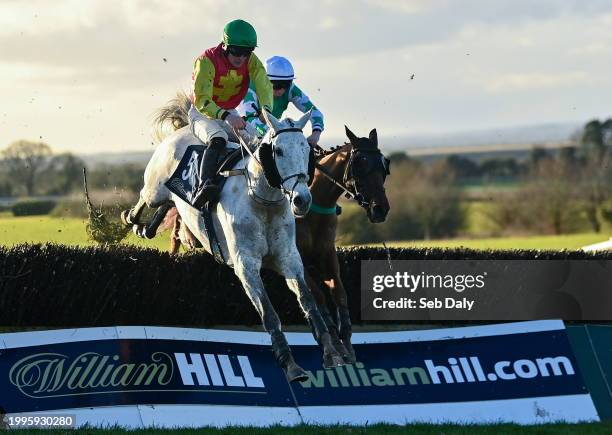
{"x":532,"y":134}
{"x":136,"y":157}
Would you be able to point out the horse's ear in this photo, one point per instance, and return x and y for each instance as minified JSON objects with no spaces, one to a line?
{"x":271,"y":121}
{"x":301,"y":123}
{"x":374,"y":137}
{"x":351,"y":136}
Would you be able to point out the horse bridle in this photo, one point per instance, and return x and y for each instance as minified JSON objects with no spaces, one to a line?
{"x":349,"y":179}
{"x":299,"y":176}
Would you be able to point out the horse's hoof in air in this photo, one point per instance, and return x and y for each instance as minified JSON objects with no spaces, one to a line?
{"x":339,"y":346}
{"x":350,"y":356}
{"x":348,"y":359}
{"x":331,"y":360}
{"x":295,"y":373}
{"x":125,"y":218}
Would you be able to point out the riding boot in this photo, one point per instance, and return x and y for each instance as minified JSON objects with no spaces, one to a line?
{"x":208,"y":190}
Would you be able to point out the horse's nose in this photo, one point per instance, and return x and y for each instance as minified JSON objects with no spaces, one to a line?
{"x":300,"y":203}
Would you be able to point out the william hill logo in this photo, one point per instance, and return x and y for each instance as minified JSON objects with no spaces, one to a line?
{"x":45,"y":375}
{"x":459,"y":370}
{"x":358,"y":375}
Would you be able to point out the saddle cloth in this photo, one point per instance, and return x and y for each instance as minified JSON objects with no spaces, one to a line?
{"x":185,"y":180}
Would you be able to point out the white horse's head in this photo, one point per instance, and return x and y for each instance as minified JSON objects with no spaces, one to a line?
{"x":285,"y":156}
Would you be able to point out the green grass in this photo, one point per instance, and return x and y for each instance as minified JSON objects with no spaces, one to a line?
{"x":67,"y":231}
{"x":590,"y":428}
{"x":477,"y":223}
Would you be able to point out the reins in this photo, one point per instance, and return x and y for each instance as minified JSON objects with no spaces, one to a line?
{"x":343,"y":185}
{"x":347,"y":192}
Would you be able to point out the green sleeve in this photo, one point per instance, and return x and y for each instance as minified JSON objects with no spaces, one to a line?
{"x":260,"y":81}
{"x":203,"y":79}
{"x":301,"y":101}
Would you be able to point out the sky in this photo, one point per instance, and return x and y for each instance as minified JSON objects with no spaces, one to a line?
{"x":86,"y":75}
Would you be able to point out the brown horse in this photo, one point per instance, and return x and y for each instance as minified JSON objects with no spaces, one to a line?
{"x":357,"y":169}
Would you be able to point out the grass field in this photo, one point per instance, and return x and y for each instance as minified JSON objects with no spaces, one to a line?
{"x":421,"y":429}
{"x":71,"y":231}
{"x":68,"y":231}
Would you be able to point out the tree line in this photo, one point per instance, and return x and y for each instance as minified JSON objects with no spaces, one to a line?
{"x":31,"y":168}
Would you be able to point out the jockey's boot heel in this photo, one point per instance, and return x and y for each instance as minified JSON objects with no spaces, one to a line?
{"x":209,"y":191}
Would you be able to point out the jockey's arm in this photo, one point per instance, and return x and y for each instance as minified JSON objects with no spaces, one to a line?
{"x":301,"y":101}
{"x":250,"y":111}
{"x":203,"y":84}
{"x":261,"y":83}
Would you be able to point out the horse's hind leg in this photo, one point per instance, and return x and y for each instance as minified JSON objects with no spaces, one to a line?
{"x":247,"y":271}
{"x":149,"y":230}
{"x":132,"y":216}
{"x":291,"y":268}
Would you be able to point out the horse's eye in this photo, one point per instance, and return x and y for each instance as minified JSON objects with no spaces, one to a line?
{"x":279,"y":153}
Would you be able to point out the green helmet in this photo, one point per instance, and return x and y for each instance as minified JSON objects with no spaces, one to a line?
{"x":241,"y":33}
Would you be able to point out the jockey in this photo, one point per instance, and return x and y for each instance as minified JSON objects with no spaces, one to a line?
{"x":280,"y":72}
{"x":221,"y":77}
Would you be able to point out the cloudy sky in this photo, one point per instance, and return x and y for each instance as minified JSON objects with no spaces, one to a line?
{"x":86,"y":75}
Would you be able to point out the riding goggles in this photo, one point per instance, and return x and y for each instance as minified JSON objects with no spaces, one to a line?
{"x":280,"y":84}
{"x":238,"y":51}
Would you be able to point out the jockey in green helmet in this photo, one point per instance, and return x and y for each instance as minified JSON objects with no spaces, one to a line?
{"x":281,"y":74}
{"x":221,"y":78}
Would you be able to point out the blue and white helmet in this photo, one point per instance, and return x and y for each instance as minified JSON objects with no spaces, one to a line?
{"x":279,"y":68}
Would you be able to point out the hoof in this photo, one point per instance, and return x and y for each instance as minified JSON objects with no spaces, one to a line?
{"x":331,"y":360}
{"x":350,"y":356}
{"x":331,"y":357}
{"x":125,"y":218}
{"x":141,"y":231}
{"x":341,"y":349}
{"x":295,"y":373}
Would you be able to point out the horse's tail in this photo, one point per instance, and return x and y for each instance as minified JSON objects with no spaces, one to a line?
{"x":173,"y":115}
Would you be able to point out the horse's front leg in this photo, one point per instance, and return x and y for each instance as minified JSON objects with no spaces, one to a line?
{"x":247,"y":269}
{"x":149,"y":230}
{"x":338,"y":293}
{"x":315,"y":281}
{"x":290,"y":266}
